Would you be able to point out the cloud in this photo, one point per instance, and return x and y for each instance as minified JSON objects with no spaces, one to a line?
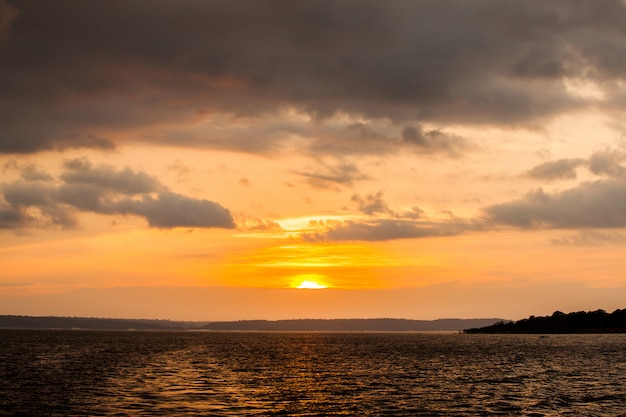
{"x":11,"y":218}
{"x":371,"y":204}
{"x":591,"y":238}
{"x":33,"y":204}
{"x":7,"y":14}
{"x":351,"y":139}
{"x":181,"y":170}
{"x":258,"y":225}
{"x":155,"y":71}
{"x":595,"y":204}
{"x":170,"y":210}
{"x":27,"y":171}
{"x":327,"y":176}
{"x":433,"y":141}
{"x":83,"y":187}
{"x":381,"y":230}
{"x":606,"y":162}
{"x":125,"y":181}
{"x":31,"y":173}
{"x":555,"y":170}
{"x":374,"y":204}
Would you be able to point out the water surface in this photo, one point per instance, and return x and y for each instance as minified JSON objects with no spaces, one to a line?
{"x":66,"y":373}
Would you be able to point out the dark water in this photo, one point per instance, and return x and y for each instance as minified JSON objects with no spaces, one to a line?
{"x":68,"y":373}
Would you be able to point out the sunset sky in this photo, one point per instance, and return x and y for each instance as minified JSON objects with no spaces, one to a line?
{"x":200,"y":160}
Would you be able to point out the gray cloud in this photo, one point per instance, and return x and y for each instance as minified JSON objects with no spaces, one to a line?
{"x":591,"y":238}
{"x":174,"y":210}
{"x":328,"y":176}
{"x":258,"y":225}
{"x":374,"y":204}
{"x":32,"y":173}
{"x":433,"y":141}
{"x":33,"y":204}
{"x":102,"y":189}
{"x":11,"y":218}
{"x":27,"y":171}
{"x":7,"y":14}
{"x":125,"y":181}
{"x":556,"y":170}
{"x":606,"y":162}
{"x":597,"y":204}
{"x":371,"y":204}
{"x":382,"y":230}
{"x":27,"y":193}
{"x":85,"y":197}
{"x":77,"y":73}
{"x":353,"y":139}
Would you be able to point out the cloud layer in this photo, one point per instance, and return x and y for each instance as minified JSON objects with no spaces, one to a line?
{"x":605,"y":163}
{"x":382,"y":229}
{"x":599,"y":204}
{"x":82,"y":187}
{"x":88,"y":74}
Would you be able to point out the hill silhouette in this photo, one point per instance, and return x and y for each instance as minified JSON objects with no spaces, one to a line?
{"x":350,"y":325}
{"x":598,"y":321}
{"x":51,"y":322}
{"x":347,"y":325}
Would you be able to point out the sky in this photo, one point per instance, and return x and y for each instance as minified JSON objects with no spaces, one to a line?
{"x":214,"y":160}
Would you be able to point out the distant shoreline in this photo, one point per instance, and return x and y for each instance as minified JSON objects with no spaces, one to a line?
{"x":593,"y":322}
{"x":320,"y":325}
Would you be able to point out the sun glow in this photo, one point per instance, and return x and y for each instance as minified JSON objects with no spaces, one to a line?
{"x":288,"y":264}
{"x":310,"y":285}
{"x":309,"y":282}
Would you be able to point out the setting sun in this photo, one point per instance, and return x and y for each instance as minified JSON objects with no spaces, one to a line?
{"x":310,"y":285}
{"x":309,"y":282}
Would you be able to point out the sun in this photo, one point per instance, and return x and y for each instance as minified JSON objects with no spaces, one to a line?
{"x":310,"y":285}
{"x":309,"y":282}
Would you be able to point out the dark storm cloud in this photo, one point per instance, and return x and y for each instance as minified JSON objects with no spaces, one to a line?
{"x":597,"y":204}
{"x":75,"y":73}
{"x":102,"y":189}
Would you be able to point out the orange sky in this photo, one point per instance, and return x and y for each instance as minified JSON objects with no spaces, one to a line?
{"x":201,"y":160}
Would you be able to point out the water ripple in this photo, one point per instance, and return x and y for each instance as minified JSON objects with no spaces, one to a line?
{"x":68,"y":373}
